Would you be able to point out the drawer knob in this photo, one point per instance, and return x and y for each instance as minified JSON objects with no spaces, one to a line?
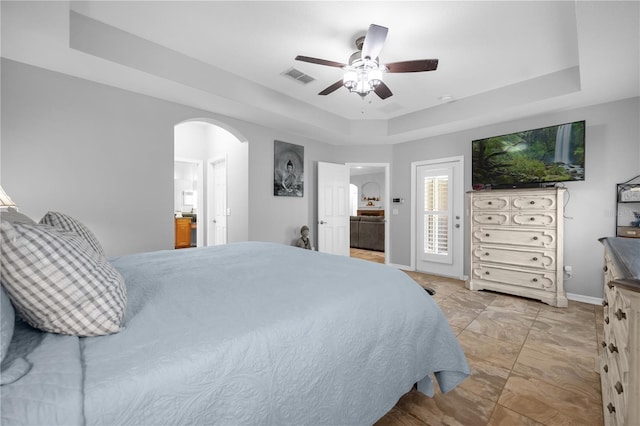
{"x":486,"y":235}
{"x":605,"y":303}
{"x":532,"y":218}
{"x":613,"y":348}
{"x":605,"y":368}
{"x":486,"y":254}
{"x":606,"y":320}
{"x":532,"y":202}
{"x":535,"y":280}
{"x":620,"y":315}
{"x":611,"y":408}
{"x":489,"y":217}
{"x":487,"y":273}
{"x":619,"y":388}
{"x":535,"y":238}
{"x":489,"y":202}
{"x":535,"y":259}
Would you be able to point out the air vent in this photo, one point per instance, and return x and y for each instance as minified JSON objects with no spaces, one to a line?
{"x":298,"y":76}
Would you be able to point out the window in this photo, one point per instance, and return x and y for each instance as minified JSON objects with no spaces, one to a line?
{"x":436,"y":215}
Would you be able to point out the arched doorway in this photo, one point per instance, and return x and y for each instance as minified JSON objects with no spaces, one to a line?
{"x":216,"y":182}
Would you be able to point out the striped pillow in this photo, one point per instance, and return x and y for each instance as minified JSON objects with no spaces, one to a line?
{"x":67,"y":223}
{"x":58,"y":284}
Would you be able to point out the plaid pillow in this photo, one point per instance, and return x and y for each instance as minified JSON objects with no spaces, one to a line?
{"x":67,"y":223}
{"x":58,"y":284}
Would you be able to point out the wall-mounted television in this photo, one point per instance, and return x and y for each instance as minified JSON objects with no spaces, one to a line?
{"x":531,"y":158}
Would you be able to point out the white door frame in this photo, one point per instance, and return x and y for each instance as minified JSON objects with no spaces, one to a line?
{"x":387,"y":201}
{"x":211,"y":187}
{"x":199,"y":226}
{"x":458,"y":200}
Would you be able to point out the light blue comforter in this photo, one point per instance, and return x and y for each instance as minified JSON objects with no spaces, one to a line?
{"x":250,"y":333}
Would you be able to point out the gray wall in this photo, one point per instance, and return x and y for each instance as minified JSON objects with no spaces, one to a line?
{"x":612,"y":152}
{"x":105,"y":156}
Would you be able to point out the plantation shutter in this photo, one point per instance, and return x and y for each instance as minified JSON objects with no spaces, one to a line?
{"x":436,"y":215}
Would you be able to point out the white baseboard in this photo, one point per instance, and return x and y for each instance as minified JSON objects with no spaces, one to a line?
{"x":584,"y":299}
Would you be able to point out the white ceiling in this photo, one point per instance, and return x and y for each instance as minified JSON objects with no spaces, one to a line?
{"x":499,"y":60}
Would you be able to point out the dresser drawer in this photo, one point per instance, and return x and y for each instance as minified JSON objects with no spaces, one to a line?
{"x":532,"y":258}
{"x":541,"y":280}
{"x":614,"y":394}
{"x":533,"y":202}
{"x":542,"y":238}
{"x":491,"y":218}
{"x":490,"y":202}
{"x":532,"y":218}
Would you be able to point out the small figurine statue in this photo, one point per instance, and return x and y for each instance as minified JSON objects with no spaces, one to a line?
{"x":304,"y":241}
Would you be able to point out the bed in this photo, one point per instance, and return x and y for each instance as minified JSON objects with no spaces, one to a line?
{"x":245,"y":333}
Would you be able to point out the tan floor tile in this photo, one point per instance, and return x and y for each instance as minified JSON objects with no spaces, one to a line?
{"x":574,"y":316}
{"x":502,"y":324}
{"x":458,"y":314}
{"x":397,"y":417}
{"x":456,"y":408}
{"x":500,"y":353}
{"x":575,"y":373}
{"x":549,"y":404}
{"x":474,"y":299}
{"x":504,"y":417}
{"x":571,"y":338}
{"x":517,"y":304}
{"x":486,"y":379}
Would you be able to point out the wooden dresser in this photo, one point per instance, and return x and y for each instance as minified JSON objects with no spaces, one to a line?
{"x":620,"y":348}
{"x":517,"y":243}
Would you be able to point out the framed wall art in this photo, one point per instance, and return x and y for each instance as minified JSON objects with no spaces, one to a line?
{"x":288,"y":169}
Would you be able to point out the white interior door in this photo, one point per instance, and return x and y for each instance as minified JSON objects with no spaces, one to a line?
{"x":217,"y":208}
{"x":333,"y":208}
{"x":439,"y":203}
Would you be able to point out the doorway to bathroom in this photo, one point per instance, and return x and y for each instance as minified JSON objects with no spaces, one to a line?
{"x":210,"y":184}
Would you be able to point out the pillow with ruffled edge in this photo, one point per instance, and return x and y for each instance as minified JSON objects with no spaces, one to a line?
{"x":58,"y":284}
{"x":67,"y":223}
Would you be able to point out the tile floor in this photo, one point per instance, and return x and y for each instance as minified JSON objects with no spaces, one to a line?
{"x":532,"y":364}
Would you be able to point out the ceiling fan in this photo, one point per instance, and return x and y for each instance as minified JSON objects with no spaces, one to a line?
{"x":364,"y":72}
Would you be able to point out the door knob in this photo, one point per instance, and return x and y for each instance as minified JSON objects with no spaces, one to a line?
{"x":322,"y":222}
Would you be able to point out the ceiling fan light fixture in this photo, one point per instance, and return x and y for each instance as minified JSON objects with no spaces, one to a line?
{"x":374,"y":77}
{"x":362,"y":80}
{"x":350,"y":79}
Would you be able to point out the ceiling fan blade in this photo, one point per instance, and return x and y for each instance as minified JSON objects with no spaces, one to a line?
{"x":320,"y":61}
{"x":373,"y":41}
{"x":335,"y":86}
{"x":413,"y":66}
{"x":383,"y":91}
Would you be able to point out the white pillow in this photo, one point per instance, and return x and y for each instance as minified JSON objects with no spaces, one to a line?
{"x":58,"y":284}
{"x":67,"y":223}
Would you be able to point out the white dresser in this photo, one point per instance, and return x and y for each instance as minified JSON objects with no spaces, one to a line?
{"x":516,"y":243}
{"x":620,"y":348}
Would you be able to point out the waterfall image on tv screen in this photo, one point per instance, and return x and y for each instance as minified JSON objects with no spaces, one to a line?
{"x":546,"y":155}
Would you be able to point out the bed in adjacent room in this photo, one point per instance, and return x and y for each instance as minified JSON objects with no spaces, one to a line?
{"x":245,"y":333}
